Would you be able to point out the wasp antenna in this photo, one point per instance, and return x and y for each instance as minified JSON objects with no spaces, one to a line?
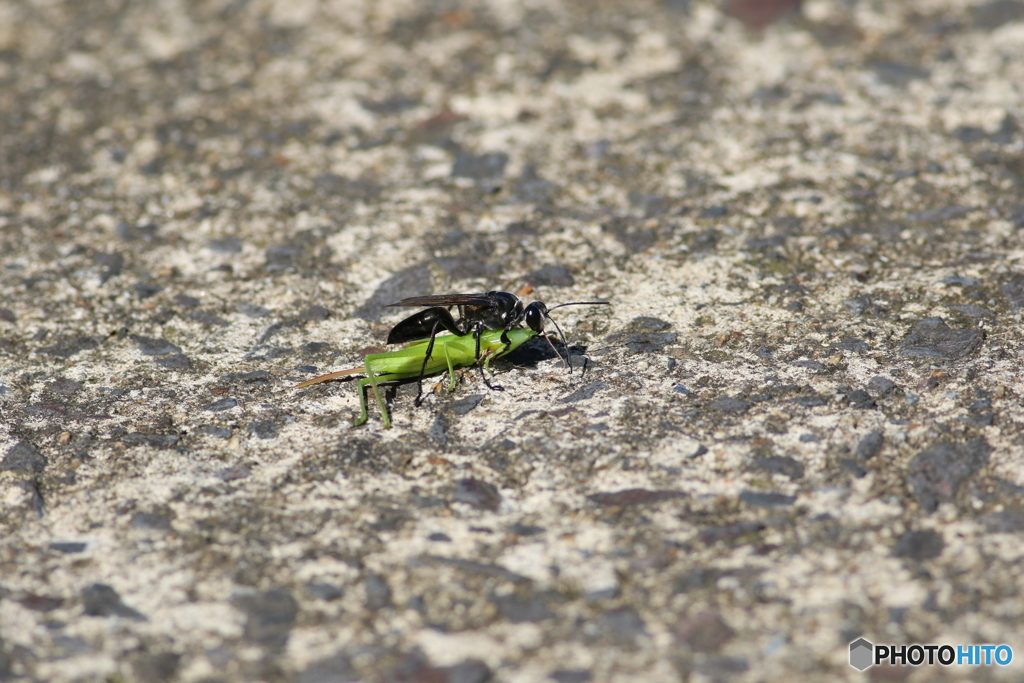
{"x":581,"y":303}
{"x":547,"y":314}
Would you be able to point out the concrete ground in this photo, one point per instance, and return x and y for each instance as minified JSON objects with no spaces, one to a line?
{"x":799,"y":423}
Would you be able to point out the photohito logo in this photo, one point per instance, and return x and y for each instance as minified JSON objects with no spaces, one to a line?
{"x":864,"y":653}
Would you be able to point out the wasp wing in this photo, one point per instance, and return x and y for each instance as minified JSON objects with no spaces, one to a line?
{"x":449,"y":300}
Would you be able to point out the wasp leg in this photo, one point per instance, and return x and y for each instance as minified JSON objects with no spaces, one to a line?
{"x":507,"y":343}
{"x":426,"y":357}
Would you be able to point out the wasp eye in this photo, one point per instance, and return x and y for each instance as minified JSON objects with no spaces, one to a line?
{"x":534,"y":320}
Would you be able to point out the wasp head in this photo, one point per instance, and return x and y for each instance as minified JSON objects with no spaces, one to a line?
{"x":534,"y":316}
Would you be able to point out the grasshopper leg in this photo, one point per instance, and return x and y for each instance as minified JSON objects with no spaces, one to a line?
{"x":363,"y":415}
{"x":485,"y":366}
{"x":371,"y":381}
{"x":486,"y":362}
{"x":380,"y":402}
{"x":451,"y":370}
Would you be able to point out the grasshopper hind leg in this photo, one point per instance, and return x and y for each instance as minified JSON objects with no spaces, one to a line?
{"x":370,"y":382}
{"x":363,"y":414}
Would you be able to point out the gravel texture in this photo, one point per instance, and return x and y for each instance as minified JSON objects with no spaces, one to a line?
{"x":799,"y":423}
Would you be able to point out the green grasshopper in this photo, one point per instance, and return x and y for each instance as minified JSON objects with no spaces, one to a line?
{"x":450,"y":351}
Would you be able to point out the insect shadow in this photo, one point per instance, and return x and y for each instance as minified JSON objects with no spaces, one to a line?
{"x":533,"y":353}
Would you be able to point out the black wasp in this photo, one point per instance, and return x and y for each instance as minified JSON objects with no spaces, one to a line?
{"x":477,"y":312}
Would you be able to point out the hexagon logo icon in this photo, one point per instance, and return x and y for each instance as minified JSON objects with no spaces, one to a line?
{"x":861,"y":654}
